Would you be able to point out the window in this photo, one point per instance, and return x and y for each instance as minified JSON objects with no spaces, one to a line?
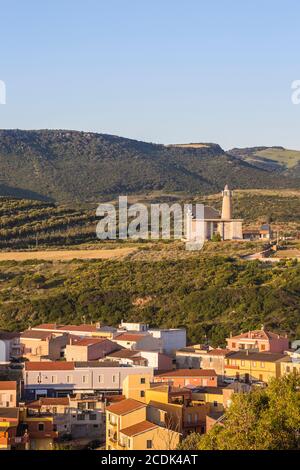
{"x":143,"y":380}
{"x":100,"y":379}
{"x":93,"y":416}
{"x":149,"y":444}
{"x":262,"y":365}
{"x":41,"y":426}
{"x":254,"y":364}
{"x":53,"y":379}
{"x":80,"y":417}
{"x":263,"y":347}
{"x":69,"y":379}
{"x":189,"y":418}
{"x":91,"y":405}
{"x":215,"y":403}
{"x":288,"y":369}
{"x":196,"y":419}
{"x":54,"y":410}
{"x":142,"y":394}
{"x":114,"y":379}
{"x":242,"y":363}
{"x":233,"y":345}
{"x":84,"y":379}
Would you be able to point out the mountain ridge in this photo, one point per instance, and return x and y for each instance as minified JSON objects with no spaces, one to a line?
{"x":76,"y":166}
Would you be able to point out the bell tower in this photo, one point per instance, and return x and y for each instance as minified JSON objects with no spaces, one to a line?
{"x":227,"y":203}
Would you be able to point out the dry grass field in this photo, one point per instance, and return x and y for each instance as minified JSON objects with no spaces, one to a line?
{"x":65,"y":255}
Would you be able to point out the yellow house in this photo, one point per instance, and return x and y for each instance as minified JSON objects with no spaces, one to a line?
{"x":175,"y":409}
{"x":290,"y":367}
{"x":135,"y":386}
{"x":127,"y":428}
{"x":254,"y":366}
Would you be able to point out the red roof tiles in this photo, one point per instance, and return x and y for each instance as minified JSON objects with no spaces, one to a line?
{"x":125,"y":406}
{"x":138,"y":428}
{"x":189,"y":373}
{"x":8,"y":385}
{"x":53,"y":365}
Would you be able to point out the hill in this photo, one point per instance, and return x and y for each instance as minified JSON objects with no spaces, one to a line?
{"x":35,"y":224}
{"x":71,"y":166}
{"x":272,"y":159}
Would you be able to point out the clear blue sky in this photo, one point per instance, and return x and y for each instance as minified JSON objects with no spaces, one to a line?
{"x":157,"y":70}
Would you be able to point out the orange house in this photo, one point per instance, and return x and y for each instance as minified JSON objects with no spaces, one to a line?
{"x":185,"y":377}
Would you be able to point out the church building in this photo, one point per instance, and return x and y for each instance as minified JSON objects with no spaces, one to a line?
{"x":215,"y":223}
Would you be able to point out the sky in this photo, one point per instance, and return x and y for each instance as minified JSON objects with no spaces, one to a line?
{"x":165,"y":71}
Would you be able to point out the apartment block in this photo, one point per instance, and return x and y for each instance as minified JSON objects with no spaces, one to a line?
{"x":61,"y":378}
{"x":88,"y":349}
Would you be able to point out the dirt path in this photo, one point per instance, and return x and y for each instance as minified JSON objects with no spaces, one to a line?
{"x":64,"y":255}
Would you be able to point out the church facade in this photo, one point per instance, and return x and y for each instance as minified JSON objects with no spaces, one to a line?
{"x":214,"y":223}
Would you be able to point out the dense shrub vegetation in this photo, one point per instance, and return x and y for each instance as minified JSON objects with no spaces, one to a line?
{"x":264,"y":419}
{"x":210,"y":296}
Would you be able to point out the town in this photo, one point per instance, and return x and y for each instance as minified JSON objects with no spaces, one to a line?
{"x":130,"y":387}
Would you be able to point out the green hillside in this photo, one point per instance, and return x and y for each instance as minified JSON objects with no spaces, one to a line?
{"x":70,"y":166}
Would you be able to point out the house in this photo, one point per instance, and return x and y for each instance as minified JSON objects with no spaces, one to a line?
{"x":75,"y":417}
{"x":127,"y":357}
{"x":154,"y":359}
{"x":40,"y":427}
{"x":263,"y":233}
{"x":88,"y":349}
{"x":127,"y":428}
{"x":170,"y":339}
{"x":61,"y":378}
{"x":12,"y":435}
{"x":140,"y":341}
{"x":8,"y":393}
{"x":174,"y":409}
{"x":290,"y":367}
{"x":134,"y":386}
{"x":78,"y":330}
{"x":258,"y":340}
{"x":251,"y":366}
{"x":134,"y":326}
{"x":9,"y":346}
{"x":41,"y":345}
{"x":198,"y":356}
{"x":184,"y":377}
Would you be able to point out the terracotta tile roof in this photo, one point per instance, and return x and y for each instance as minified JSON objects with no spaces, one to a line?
{"x":125,"y":406}
{"x":189,"y":373}
{"x":138,"y":428}
{"x":77,"y":341}
{"x":51,"y":365}
{"x":55,"y":326}
{"x":32,"y":334}
{"x":257,"y":334}
{"x":54,"y":401}
{"x":218,"y":352}
{"x":8,"y":385}
{"x":129,"y":336}
{"x":46,"y":326}
{"x":85,"y":328}
{"x":124,"y":353}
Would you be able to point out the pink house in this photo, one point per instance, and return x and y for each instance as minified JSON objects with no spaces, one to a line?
{"x":89,"y":349}
{"x":258,"y":340}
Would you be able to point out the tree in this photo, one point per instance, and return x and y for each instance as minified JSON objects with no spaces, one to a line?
{"x":264,"y":419}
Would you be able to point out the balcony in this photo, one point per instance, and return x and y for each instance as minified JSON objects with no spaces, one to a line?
{"x":230,"y":366}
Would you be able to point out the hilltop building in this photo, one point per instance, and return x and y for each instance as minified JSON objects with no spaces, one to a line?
{"x":215,"y":223}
